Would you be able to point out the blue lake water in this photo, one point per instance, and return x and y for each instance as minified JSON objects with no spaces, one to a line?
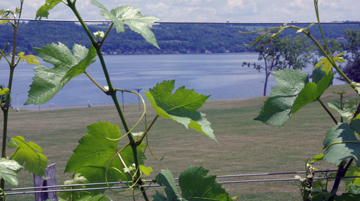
{"x":218,"y":75}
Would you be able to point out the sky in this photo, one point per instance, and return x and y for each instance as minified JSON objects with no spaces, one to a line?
{"x":207,"y":10}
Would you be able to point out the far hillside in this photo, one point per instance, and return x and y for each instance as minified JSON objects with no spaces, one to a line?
{"x":172,"y":38}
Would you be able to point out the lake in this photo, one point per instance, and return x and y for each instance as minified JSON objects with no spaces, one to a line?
{"x":218,"y":75}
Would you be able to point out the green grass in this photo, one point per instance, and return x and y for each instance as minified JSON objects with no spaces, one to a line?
{"x":247,"y":146}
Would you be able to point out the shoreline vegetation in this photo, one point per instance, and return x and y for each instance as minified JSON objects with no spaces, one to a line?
{"x":172,"y":38}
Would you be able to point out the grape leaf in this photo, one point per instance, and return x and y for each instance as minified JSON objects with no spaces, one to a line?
{"x":94,"y":152}
{"x":29,"y":154}
{"x":180,"y":106}
{"x":48,"y":81}
{"x":30,"y":59}
{"x":131,"y":17}
{"x":341,"y":143}
{"x":356,"y":86}
{"x":195,"y":185}
{"x":43,"y":11}
{"x":312,"y":92}
{"x":276,"y":109}
{"x":352,"y":183}
{"x":347,"y":197}
{"x":346,"y":112}
{"x":293,"y":93}
{"x":8,"y":170}
{"x":146,"y":170}
{"x":355,"y":124}
{"x":166,"y":178}
{"x":5,"y":91}
{"x":317,"y":75}
{"x":326,"y":65}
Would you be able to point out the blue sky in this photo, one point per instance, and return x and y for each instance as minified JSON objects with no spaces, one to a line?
{"x":209,"y":10}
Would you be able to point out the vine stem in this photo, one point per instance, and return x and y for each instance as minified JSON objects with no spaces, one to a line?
{"x":340,"y":174}
{"x":112,"y":93}
{"x":102,"y":89}
{"x":152,"y":123}
{"x":102,"y":41}
{"x":73,"y":8}
{"x":333,"y":118}
{"x":5,"y":109}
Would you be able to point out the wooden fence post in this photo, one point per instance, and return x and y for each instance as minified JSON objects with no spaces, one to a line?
{"x":50,"y":180}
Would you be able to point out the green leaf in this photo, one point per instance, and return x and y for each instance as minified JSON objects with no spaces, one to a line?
{"x":30,"y":154}
{"x":353,"y":184}
{"x":48,"y":81}
{"x":347,"y":197}
{"x":81,"y":67}
{"x":94,"y":152}
{"x":44,"y":9}
{"x":356,"y":86}
{"x":166,"y":178}
{"x":195,"y":185}
{"x":276,"y":109}
{"x":8,"y":170}
{"x":180,"y":106}
{"x":317,"y":75}
{"x":146,"y":170}
{"x":312,"y":92}
{"x":355,"y":124}
{"x":341,"y":143}
{"x":326,"y":65}
{"x":5,"y":91}
{"x":320,"y":195}
{"x":30,"y":59}
{"x":131,"y":17}
{"x":159,"y":197}
{"x":346,"y":112}
{"x":354,"y":189}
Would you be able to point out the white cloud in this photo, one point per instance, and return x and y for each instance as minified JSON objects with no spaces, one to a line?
{"x":160,"y":7}
{"x":235,"y":3}
{"x":208,"y":10}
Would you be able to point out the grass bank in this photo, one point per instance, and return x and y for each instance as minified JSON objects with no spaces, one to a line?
{"x":248,"y":146}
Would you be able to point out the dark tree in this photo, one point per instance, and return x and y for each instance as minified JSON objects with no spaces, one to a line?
{"x":352,"y":70}
{"x":352,"y":54}
{"x":282,"y":53}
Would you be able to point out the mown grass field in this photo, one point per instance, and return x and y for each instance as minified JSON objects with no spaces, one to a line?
{"x":247,"y":146}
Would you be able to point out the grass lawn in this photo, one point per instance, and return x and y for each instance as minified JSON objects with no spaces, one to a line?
{"x":247,"y":146}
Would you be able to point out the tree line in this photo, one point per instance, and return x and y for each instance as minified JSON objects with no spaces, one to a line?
{"x":172,"y":38}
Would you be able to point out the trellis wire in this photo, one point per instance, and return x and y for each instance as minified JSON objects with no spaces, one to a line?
{"x":112,"y":183}
{"x":106,"y":21}
{"x":145,"y":186}
{"x":125,"y":187}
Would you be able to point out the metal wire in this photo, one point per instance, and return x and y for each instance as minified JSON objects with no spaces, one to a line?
{"x":123,"y":187}
{"x":268,"y":174}
{"x":245,"y":23}
{"x":114,"y":183}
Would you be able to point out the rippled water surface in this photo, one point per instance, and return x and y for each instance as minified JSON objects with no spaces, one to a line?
{"x":220,"y":75}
